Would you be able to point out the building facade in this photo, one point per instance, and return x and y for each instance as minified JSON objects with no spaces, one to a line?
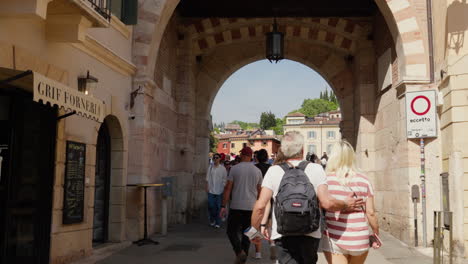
{"x":234,"y":143}
{"x":65,"y":85}
{"x":320,"y":132}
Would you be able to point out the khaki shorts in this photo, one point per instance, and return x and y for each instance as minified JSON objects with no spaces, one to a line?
{"x":328,"y":245}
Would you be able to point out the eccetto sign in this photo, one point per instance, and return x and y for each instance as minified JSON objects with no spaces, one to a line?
{"x":55,"y":93}
{"x":421,"y":117}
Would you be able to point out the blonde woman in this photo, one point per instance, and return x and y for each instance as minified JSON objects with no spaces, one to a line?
{"x":346,"y":238}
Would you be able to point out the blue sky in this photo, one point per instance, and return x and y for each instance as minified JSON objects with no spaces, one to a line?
{"x":262,"y":86}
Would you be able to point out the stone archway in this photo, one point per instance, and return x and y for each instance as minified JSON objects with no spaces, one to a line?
{"x":405,"y":19}
{"x":175,"y":88}
{"x":116,"y":224}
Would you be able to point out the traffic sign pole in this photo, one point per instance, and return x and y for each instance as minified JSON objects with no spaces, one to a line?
{"x":423,"y":191}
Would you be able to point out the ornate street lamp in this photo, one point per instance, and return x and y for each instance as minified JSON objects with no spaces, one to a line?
{"x":275,"y":44}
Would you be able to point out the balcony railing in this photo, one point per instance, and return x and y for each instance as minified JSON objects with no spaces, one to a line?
{"x":103,"y":7}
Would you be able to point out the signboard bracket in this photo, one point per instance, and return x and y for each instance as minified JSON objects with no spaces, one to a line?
{"x":16,"y":77}
{"x":66,"y":115}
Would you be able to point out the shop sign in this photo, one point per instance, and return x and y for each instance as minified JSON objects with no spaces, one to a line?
{"x":74,"y":184}
{"x":55,"y":93}
{"x":421,"y":117}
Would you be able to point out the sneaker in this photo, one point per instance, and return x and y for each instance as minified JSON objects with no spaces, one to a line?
{"x":258,"y":255}
{"x":212,"y":224}
{"x":273,"y":252}
{"x":217,"y":226}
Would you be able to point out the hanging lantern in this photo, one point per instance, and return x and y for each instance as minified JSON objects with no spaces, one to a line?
{"x":275,"y":44}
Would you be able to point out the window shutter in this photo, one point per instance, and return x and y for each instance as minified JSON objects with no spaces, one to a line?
{"x":130,"y":12}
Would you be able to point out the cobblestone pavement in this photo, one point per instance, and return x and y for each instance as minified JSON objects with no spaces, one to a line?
{"x":198,"y":243}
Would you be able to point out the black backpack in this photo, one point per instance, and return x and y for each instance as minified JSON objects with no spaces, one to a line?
{"x":296,"y":205}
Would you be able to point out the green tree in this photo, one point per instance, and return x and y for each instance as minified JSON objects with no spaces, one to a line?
{"x":245,"y":125}
{"x":267,"y":120}
{"x":213,"y":143}
{"x":313,"y":107}
{"x":279,"y":126}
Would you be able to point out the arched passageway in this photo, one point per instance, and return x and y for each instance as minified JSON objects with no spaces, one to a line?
{"x":369,"y":60}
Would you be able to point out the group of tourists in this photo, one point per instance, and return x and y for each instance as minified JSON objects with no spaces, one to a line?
{"x":295,"y":204}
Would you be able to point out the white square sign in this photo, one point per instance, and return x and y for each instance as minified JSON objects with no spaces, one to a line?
{"x":421,"y":115}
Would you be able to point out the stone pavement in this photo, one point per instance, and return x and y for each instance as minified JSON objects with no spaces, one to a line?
{"x":199,"y":243}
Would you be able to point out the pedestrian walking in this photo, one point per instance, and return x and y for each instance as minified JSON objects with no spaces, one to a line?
{"x":296,"y":236}
{"x":216,"y":178}
{"x":243,"y":183}
{"x":324,"y":160}
{"x":346,"y":238}
{"x":263,"y":165}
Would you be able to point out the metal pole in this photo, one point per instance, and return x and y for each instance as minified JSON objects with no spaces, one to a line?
{"x":423,"y":192}
{"x":164,"y":216}
{"x":436,"y":247}
{"x":415,"y":223}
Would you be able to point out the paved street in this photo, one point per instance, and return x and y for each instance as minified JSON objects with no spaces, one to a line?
{"x":198,"y":243}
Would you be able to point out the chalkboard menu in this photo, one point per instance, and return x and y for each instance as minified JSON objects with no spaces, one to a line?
{"x":73,"y":195}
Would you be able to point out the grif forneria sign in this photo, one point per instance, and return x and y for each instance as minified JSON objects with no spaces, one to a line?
{"x":421,"y":115}
{"x":55,"y":93}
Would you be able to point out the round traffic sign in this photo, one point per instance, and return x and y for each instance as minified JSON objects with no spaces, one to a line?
{"x":420,"y":105}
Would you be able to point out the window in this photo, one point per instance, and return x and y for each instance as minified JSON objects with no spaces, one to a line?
{"x":329,"y":149}
{"x":244,"y":145}
{"x":233,"y":145}
{"x":312,"y":149}
{"x":264,"y":143}
{"x":311,"y":134}
{"x":224,"y":145}
{"x":331,"y":134}
{"x":125,"y":10}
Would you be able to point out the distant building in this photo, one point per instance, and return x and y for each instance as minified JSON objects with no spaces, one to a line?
{"x":320,"y":132}
{"x":257,"y":140}
{"x":233,"y":128}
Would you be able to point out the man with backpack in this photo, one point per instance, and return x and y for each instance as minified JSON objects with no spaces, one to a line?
{"x":298,"y":188}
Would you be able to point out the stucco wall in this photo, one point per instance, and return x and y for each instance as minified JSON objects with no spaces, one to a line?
{"x":65,"y":62}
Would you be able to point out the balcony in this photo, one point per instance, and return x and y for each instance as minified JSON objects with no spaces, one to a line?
{"x":102,"y":7}
{"x":68,"y":20}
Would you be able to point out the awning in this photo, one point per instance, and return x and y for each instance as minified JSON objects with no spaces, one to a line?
{"x":46,"y":90}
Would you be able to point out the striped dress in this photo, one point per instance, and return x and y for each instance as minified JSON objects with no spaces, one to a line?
{"x":349,"y":230}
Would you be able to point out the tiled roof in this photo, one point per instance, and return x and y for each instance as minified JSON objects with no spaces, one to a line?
{"x":319,"y":121}
{"x":233,"y":126}
{"x":296,"y":114}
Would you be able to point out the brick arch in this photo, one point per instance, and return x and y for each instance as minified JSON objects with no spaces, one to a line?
{"x":410,"y":38}
{"x":338,"y":33}
{"x":401,"y":17}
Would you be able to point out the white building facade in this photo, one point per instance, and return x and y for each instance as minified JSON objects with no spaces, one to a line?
{"x":320,"y":132}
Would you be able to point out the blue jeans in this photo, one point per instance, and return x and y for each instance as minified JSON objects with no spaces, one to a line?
{"x":214,"y":207}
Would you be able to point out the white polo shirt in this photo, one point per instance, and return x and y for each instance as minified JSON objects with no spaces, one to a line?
{"x":273,"y":179}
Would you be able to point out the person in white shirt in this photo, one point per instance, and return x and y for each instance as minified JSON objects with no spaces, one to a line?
{"x":216,"y":178}
{"x":300,"y":249}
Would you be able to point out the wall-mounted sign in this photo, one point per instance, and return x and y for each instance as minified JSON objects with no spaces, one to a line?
{"x":56,"y":93}
{"x":421,"y":117}
{"x":74,"y":184}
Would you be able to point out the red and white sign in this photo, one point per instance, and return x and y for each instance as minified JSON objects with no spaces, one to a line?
{"x":421,"y":115}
